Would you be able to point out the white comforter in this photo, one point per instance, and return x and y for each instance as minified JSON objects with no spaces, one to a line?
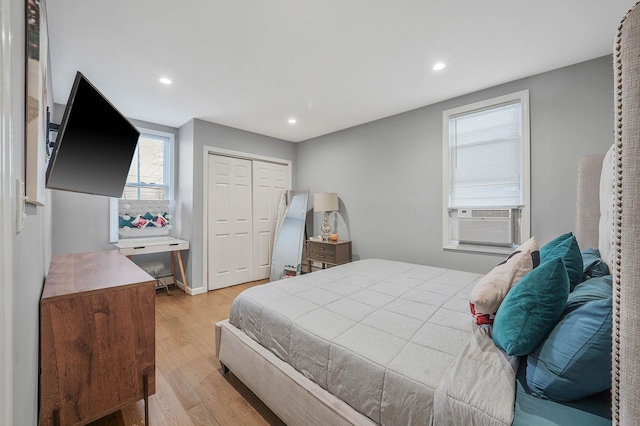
{"x":388,"y":338}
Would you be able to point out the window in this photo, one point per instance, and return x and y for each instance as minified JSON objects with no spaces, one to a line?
{"x":148,"y":177}
{"x":486,"y":174}
{"x":151,"y":173}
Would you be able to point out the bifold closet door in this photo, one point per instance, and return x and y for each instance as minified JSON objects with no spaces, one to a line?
{"x":269,"y":181}
{"x":230,"y":217}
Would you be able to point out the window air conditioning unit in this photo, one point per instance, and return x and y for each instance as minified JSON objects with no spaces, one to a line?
{"x":486,"y":226}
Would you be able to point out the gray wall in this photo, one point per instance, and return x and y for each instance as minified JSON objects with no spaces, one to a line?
{"x":388,"y":173}
{"x":31,"y":247}
{"x":194,"y":136}
{"x":81,"y":221}
{"x":70,"y":210}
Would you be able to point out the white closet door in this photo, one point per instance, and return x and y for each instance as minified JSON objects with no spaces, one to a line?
{"x":269,"y":181}
{"x":230,"y":221}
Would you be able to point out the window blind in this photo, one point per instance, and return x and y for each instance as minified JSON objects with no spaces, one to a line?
{"x":485,"y":151}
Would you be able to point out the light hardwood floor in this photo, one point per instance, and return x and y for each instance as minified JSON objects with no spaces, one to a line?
{"x":190,"y":388}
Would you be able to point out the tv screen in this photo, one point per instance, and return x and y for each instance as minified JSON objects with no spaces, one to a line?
{"x":94,"y":147}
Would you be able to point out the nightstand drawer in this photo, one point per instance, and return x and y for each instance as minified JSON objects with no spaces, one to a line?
{"x":328,"y":253}
{"x":322,"y":251}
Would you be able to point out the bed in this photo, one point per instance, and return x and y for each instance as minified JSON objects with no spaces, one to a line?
{"x":408,"y":352}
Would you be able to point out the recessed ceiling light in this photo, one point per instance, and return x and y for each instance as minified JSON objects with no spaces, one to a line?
{"x":165,"y":80}
{"x":438,"y":66}
{"x":292,"y":121}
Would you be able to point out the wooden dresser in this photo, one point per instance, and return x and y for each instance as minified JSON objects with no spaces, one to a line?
{"x":328,"y":253}
{"x":97,"y":337}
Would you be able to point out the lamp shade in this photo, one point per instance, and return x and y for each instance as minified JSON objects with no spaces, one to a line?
{"x":325,"y":201}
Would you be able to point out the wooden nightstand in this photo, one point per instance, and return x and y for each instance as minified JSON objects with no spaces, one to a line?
{"x":328,"y":253}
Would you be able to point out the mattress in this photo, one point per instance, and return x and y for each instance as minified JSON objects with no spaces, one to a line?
{"x":381,"y":336}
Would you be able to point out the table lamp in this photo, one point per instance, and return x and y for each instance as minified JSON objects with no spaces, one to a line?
{"x":325,"y":202}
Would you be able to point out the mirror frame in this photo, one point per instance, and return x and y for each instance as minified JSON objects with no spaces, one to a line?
{"x":292,"y":264}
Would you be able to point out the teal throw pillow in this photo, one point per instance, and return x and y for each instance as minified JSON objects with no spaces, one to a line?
{"x":553,"y":244}
{"x":592,"y":289}
{"x":531,"y":308}
{"x":593,"y":265}
{"x":569,"y":251}
{"x":575,"y":360}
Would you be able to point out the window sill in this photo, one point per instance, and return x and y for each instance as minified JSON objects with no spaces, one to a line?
{"x":477,"y":248}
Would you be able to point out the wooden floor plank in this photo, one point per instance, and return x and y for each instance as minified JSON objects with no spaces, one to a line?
{"x":190,"y":388}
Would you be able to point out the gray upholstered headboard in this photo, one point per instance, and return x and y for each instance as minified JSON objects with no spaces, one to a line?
{"x":626,"y":230}
{"x":588,"y":201}
{"x":624,"y":225}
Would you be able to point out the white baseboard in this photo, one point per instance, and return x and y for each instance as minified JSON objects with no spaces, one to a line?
{"x":197,"y":291}
{"x":190,"y":291}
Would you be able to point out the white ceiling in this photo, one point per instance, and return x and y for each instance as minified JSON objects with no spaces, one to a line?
{"x":333,"y":64}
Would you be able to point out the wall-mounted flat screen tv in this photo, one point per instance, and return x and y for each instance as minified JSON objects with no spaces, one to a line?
{"x":94,"y":147}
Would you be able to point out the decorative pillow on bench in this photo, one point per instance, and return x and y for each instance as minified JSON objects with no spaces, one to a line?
{"x":159,"y":220}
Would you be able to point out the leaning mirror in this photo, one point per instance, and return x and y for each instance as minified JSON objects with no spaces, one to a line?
{"x":287,"y":245}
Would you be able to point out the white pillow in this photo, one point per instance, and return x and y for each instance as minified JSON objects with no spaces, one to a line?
{"x":489,"y":292}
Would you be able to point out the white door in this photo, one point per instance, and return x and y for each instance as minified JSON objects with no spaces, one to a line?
{"x":269,"y":181}
{"x":230,"y":221}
